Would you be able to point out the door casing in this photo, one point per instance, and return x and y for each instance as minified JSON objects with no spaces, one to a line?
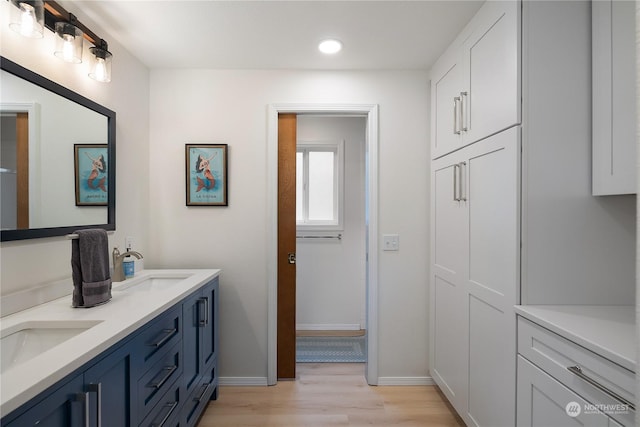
{"x":370,"y":111}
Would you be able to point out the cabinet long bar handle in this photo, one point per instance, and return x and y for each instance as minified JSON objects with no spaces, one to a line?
{"x":171,"y":407}
{"x":204,"y":322}
{"x":204,"y":391}
{"x":462,"y":194}
{"x":97,"y":389}
{"x":577,"y":370}
{"x":456,"y":198}
{"x":463,"y":111}
{"x":169,"y":371}
{"x":84,"y":398}
{"x":168,"y":334}
{"x":456,"y":130}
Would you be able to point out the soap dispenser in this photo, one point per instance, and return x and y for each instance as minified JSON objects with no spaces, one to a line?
{"x":128,"y":264}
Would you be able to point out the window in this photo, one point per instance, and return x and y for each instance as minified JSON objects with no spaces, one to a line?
{"x":319,"y":171}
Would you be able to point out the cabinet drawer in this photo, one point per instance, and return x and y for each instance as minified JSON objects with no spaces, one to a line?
{"x":197,"y":401}
{"x":167,"y":411}
{"x":162,"y":334}
{"x":555,"y":355}
{"x":153,"y":385}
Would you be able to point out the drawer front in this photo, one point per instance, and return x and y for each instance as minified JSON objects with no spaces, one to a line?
{"x":555,"y":355}
{"x":197,"y":401}
{"x":166,"y":413}
{"x":162,"y":334}
{"x":544,"y":402}
{"x":156,"y":381}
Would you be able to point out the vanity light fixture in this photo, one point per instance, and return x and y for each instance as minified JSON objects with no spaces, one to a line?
{"x":330,"y":46}
{"x":101,"y":62}
{"x":69,"y":41}
{"x":27,"y":18}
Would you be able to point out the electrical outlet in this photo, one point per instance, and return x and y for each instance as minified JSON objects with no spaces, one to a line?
{"x":390,"y":242}
{"x":128,"y":243}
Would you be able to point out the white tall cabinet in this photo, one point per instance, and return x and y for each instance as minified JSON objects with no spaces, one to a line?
{"x":513,"y":219}
{"x":475,"y":179}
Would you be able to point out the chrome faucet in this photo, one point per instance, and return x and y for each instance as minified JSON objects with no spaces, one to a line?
{"x":118,"y":258}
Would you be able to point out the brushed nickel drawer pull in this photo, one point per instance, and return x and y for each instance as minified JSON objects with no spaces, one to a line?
{"x":169,"y":371}
{"x":171,"y":407}
{"x":168,"y":334}
{"x":206,"y":387}
{"x":577,"y":370}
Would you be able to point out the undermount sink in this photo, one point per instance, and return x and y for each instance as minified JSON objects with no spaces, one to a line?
{"x":22,"y":342}
{"x":152,"y":283}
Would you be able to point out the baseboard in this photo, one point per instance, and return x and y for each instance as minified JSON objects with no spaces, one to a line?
{"x":328,"y":327}
{"x":405,"y":381}
{"x":244,"y":381}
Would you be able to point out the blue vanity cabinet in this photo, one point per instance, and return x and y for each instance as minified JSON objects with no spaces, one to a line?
{"x":62,"y":407}
{"x":109,"y":386}
{"x":200,"y":341}
{"x":98,"y":394}
{"x":162,"y":374}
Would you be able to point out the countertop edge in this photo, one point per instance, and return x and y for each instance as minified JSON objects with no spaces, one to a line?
{"x":550,"y":317}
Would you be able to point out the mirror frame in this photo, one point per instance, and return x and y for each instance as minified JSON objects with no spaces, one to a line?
{"x":36,"y":233}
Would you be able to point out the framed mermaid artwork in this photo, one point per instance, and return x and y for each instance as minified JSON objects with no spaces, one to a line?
{"x":90,"y":167}
{"x":206,"y":178}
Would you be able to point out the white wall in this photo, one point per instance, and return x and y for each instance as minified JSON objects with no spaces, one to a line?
{"x":33,"y":262}
{"x":230,"y":106}
{"x":330,"y":273}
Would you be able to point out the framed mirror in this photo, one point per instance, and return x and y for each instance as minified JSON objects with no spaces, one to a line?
{"x":57,"y":159}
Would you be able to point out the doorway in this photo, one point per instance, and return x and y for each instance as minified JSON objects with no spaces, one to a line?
{"x":370,"y":112}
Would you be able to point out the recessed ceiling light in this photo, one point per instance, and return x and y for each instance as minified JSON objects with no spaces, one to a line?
{"x":330,"y":46}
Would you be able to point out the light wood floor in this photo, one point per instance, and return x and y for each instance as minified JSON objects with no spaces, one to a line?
{"x":329,"y":394}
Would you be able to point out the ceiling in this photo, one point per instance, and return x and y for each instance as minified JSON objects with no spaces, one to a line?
{"x":270,"y":34}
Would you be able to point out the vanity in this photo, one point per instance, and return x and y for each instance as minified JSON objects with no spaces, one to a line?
{"x":147,"y":357}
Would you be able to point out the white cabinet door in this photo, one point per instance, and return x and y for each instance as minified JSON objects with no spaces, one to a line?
{"x":446,"y":133}
{"x":475,"y":270}
{"x":491,"y":84}
{"x":614,"y":108}
{"x":544,"y":402}
{"x":448,"y":247}
{"x":492,"y":172}
{"x":475,"y":85}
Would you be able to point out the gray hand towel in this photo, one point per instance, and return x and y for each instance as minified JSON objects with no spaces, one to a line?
{"x":90,"y":268}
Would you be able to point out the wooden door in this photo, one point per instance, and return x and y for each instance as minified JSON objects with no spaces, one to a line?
{"x":286,"y":356}
{"x":22,"y":163}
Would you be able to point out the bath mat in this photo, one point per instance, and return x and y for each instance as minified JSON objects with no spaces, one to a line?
{"x":330,"y":350}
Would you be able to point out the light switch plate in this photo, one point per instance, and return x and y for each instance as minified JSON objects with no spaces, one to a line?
{"x":390,"y":242}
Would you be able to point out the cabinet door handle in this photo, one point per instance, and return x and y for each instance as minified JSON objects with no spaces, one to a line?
{"x":456,"y":198}
{"x":169,"y":371}
{"x":464,"y":112}
{"x":97,"y":389}
{"x":168,"y":333}
{"x":83,"y":398}
{"x":456,"y":115}
{"x":577,"y":370}
{"x":463,"y":188}
{"x":205,"y":321}
{"x":171,"y":407}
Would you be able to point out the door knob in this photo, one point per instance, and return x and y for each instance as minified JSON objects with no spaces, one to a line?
{"x":292,"y":257}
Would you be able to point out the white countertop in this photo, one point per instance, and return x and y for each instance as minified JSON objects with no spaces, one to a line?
{"x":609,"y":331}
{"x":123,"y":314}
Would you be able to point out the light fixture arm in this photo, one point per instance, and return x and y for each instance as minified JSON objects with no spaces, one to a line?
{"x":54,"y":12}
